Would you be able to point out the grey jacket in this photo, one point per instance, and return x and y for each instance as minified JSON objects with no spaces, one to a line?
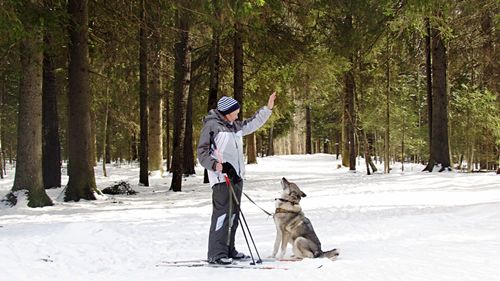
{"x":228,"y":140}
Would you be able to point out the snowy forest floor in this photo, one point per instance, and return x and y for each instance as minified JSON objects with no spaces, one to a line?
{"x":398,"y":226}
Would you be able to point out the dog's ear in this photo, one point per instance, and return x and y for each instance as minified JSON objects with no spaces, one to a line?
{"x":285,"y":183}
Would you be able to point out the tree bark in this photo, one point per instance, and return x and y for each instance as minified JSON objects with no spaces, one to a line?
{"x":214,"y":58}
{"x":348,"y":114}
{"x":251,"y":149}
{"x":167,"y":131}
{"x":440,"y":143}
{"x":367,"y":152}
{"x":238,"y":66}
{"x":344,"y":151}
{"x":2,"y":90}
{"x":214,"y":66}
{"x":105,"y":134}
{"x":188,"y":165}
{"x":181,"y":90}
{"x":403,"y":146}
{"x":29,"y":173}
{"x":51,"y":147}
{"x":260,"y":144}
{"x":133,"y":148}
{"x":489,"y":77}
{"x":93,"y":135}
{"x":428,"y":70}
{"x":294,"y":133}
{"x":387,"y":138}
{"x":107,"y":141}
{"x":270,"y":143}
{"x":351,"y":117}
{"x":81,"y":184}
{"x":155,"y":141}
{"x":143,"y":99}
{"x":308,"y":130}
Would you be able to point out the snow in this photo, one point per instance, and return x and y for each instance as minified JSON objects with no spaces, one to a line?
{"x":400,"y":226}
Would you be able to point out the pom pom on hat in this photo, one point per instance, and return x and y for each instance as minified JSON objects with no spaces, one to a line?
{"x":227,"y":105}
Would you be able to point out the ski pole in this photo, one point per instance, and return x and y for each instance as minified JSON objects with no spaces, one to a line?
{"x":231,"y":192}
{"x":238,"y":205}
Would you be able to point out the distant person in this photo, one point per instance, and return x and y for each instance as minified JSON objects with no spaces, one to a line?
{"x":222,"y":138}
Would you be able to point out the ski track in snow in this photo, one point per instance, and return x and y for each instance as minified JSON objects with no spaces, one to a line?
{"x":401,"y":226}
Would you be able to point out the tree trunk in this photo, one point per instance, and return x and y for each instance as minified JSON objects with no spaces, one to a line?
{"x":338,"y":141}
{"x":470,"y":158}
{"x":167,"y":131}
{"x":259,"y":144}
{"x":387,"y":168}
{"x":93,"y":135}
{"x":403,"y":147}
{"x":270,"y":143}
{"x":155,"y":141}
{"x":51,"y":149}
{"x":428,"y":70}
{"x":81,"y":184}
{"x":440,"y":142}
{"x":351,"y":117}
{"x":251,"y":149}
{"x":105,"y":134}
{"x":134,"y":155}
{"x":214,"y":66}
{"x":238,"y":67}
{"x":107,"y":150}
{"x":214,"y":58}
{"x":345,"y":128}
{"x":188,"y":165}
{"x":308,"y":130}
{"x":181,"y":89}
{"x":143,"y":99}
{"x":29,"y":173}
{"x":489,"y":78}
{"x":2,"y":90}
{"x":344,"y":138}
{"x":368,"y":157}
{"x":294,"y":135}
{"x":460,"y":161}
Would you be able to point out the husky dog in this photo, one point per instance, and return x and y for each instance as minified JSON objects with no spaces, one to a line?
{"x":294,"y":228}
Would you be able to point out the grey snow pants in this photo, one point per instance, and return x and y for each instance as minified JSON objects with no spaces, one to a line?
{"x":217,"y":239}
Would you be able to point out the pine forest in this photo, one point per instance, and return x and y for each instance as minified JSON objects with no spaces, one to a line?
{"x":88,"y":84}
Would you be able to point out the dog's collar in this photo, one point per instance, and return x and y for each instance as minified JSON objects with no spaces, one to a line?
{"x":281,"y":210}
{"x":286,"y":200}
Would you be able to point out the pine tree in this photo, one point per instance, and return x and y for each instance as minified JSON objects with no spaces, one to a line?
{"x":182,"y":74}
{"x":29,"y":173}
{"x":81,"y":184}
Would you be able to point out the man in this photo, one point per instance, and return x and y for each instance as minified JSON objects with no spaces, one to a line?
{"x":220,"y":150}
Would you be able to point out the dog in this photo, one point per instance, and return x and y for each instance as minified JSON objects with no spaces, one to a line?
{"x":294,"y":228}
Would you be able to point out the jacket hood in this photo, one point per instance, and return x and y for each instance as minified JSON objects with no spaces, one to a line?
{"x":215,"y":116}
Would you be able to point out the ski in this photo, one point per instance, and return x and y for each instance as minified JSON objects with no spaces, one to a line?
{"x":265,"y":260}
{"x":233,"y":265}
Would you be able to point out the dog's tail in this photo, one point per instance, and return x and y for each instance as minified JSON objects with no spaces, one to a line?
{"x":332,"y":254}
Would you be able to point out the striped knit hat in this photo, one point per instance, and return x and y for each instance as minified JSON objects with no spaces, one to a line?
{"x":227,"y":105}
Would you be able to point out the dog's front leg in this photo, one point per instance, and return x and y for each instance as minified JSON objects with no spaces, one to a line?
{"x":277,"y":242}
{"x":284,"y":243}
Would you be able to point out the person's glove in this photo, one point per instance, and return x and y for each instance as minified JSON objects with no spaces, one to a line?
{"x":229,"y":170}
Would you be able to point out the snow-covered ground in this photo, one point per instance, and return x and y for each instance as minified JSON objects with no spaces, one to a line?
{"x":401,"y":226}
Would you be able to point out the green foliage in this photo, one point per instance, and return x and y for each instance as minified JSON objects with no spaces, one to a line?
{"x":474,"y":113}
{"x":300,"y":49}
